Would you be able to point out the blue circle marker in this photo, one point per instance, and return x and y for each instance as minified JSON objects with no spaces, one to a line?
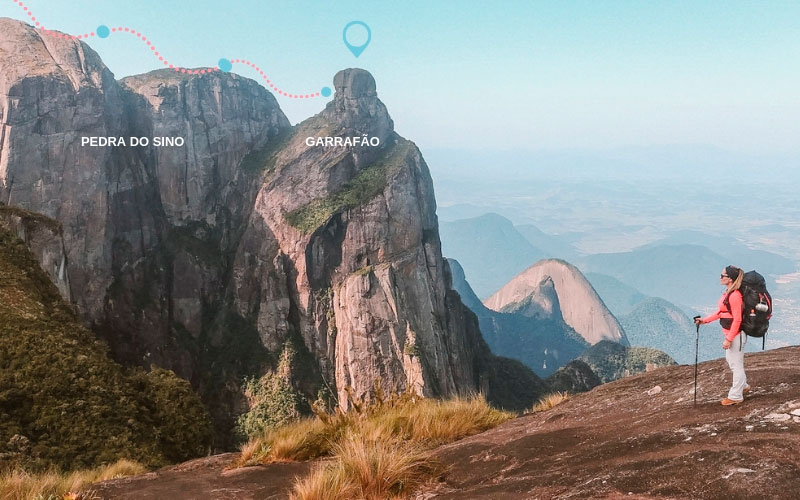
{"x":103,"y":31}
{"x":225,"y":65}
{"x":326,"y":91}
{"x":356,"y":49}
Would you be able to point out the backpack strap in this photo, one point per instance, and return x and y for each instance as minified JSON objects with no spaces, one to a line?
{"x":727,"y":301}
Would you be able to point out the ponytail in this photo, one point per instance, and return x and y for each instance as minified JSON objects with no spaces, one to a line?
{"x":737,"y":283}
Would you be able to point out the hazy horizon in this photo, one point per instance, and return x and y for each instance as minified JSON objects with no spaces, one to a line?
{"x":519,"y":75}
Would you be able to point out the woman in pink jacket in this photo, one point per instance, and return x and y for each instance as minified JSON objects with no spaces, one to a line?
{"x":729,"y":314}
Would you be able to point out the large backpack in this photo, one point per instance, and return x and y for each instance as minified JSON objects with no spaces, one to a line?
{"x":756,"y":306}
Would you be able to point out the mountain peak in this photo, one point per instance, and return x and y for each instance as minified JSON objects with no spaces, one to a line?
{"x":356,"y":106}
{"x":354,"y":83}
{"x":580,"y":305}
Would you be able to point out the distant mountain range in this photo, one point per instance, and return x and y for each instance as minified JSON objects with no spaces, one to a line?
{"x":681,"y":268}
{"x":686,"y":275}
{"x":493,"y":250}
{"x":490,"y":248}
{"x":738,"y":254}
{"x":652,"y":290}
{"x":620,"y":298}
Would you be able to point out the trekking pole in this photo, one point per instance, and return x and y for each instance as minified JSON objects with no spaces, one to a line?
{"x":696,"y":349}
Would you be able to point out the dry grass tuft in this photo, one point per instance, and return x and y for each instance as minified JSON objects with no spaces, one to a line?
{"x":550,"y":401}
{"x":21,"y":485}
{"x":379,"y":449}
{"x":407,"y":417}
{"x":370,"y":470}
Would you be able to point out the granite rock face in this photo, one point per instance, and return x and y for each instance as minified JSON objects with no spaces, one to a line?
{"x":531,"y":330}
{"x":353,"y":236}
{"x":207,"y":258}
{"x":531,"y":292}
{"x":54,"y":92}
{"x":43,"y":237}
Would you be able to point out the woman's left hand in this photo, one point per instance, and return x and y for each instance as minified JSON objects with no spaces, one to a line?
{"x":726,"y":344}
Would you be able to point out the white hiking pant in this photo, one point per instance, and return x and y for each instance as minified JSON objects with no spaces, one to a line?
{"x":734,"y":355}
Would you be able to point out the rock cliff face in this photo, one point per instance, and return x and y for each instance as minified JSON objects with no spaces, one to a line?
{"x":208,"y":258}
{"x":43,"y":238}
{"x":531,"y":331}
{"x":348,"y":240}
{"x":531,"y":293}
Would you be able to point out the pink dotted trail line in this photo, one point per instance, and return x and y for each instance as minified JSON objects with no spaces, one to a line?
{"x":156,"y":53}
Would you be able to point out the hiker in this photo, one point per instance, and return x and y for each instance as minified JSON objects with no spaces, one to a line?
{"x":729,"y":314}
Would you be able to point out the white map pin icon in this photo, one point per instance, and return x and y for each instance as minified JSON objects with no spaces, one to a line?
{"x":356,"y":49}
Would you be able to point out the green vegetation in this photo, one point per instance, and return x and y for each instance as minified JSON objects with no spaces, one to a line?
{"x":273,"y":401}
{"x":266,"y":158}
{"x":366,"y":185}
{"x":411,"y":348}
{"x":363,"y":271}
{"x":63,"y":402}
{"x":611,"y":360}
{"x":378,"y":449}
{"x":30,"y":219}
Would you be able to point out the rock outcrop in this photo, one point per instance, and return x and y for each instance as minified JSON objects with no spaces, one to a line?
{"x":531,"y":292}
{"x":43,"y":237}
{"x":534,"y":332}
{"x":618,"y":441}
{"x":208,"y":258}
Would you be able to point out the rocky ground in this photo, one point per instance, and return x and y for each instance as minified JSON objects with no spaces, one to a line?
{"x":207,"y":478}
{"x":639,"y":437}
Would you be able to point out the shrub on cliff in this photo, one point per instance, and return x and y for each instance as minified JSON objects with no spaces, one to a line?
{"x":272,"y":399}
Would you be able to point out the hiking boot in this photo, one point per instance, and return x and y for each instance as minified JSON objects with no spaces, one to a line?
{"x":746,"y":389}
{"x":729,"y":402}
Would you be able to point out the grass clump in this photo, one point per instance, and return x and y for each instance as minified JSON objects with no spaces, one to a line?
{"x":550,"y":401}
{"x":405,"y":416}
{"x":18,"y":484}
{"x":366,"y":185}
{"x":379,"y":449}
{"x":369,"y":469}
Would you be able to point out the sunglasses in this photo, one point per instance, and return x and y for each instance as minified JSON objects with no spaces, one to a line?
{"x":724,"y":276}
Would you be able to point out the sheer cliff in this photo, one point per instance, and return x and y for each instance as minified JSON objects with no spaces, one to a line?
{"x":214,"y":257}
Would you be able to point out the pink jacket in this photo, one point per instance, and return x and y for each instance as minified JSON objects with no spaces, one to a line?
{"x":735,"y":314}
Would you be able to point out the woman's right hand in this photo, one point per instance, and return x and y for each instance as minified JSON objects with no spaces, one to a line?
{"x":698,"y":321}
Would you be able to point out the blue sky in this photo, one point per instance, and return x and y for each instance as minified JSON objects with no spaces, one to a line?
{"x":499,"y":75}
